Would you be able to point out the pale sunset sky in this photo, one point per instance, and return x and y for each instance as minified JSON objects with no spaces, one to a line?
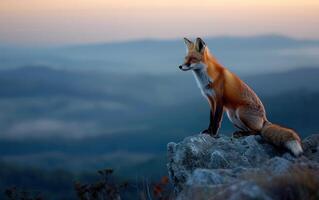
{"x":59,"y":22}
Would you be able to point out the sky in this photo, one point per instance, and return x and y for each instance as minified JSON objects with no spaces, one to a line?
{"x":56,"y":22}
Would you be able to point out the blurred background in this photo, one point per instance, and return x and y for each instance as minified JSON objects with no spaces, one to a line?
{"x":91,"y":84}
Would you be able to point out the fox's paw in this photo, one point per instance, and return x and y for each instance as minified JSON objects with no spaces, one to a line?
{"x":209,"y":132}
{"x":238,"y":134}
{"x":206,"y":131}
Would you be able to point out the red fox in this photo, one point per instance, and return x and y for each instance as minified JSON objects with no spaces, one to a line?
{"x":226,"y":91}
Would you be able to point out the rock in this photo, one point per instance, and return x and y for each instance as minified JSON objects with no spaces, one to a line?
{"x":277,"y":165}
{"x":243,"y":190}
{"x":311,"y":147}
{"x":203,"y":167}
{"x":240,"y":190}
{"x":205,"y":177}
{"x":218,"y":160}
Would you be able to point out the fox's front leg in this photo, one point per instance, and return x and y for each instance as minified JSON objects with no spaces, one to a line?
{"x":216,"y":114}
{"x":209,"y":130}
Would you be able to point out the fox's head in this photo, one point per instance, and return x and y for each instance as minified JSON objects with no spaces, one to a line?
{"x":194,"y":59}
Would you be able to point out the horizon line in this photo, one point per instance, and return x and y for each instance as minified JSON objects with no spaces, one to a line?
{"x":150,"y":39}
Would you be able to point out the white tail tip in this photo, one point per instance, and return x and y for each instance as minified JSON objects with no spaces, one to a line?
{"x":295,"y":147}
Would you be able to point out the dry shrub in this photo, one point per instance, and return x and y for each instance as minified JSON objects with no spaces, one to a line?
{"x":106,"y":188}
{"x":19,"y":194}
{"x":299,"y":182}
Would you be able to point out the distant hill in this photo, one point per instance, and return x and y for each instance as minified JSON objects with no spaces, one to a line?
{"x":244,"y":55}
{"x":304,"y":79}
{"x":43,"y":80}
{"x":41,"y":97}
{"x":54,"y":118}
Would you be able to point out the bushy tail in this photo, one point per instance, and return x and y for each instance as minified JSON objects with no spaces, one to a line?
{"x":282,"y":137}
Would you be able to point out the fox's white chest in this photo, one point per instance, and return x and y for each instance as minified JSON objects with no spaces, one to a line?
{"x":203,"y":80}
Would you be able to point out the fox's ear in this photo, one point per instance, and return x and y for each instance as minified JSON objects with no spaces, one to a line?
{"x":200,"y":45}
{"x":188,"y":43}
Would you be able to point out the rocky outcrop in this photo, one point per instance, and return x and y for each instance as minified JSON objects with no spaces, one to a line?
{"x":203,"y":167}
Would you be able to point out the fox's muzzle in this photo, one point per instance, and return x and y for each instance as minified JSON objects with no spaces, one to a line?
{"x":185,"y":67}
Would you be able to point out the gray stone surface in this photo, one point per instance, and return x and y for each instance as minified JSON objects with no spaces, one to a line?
{"x":203,"y":167}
